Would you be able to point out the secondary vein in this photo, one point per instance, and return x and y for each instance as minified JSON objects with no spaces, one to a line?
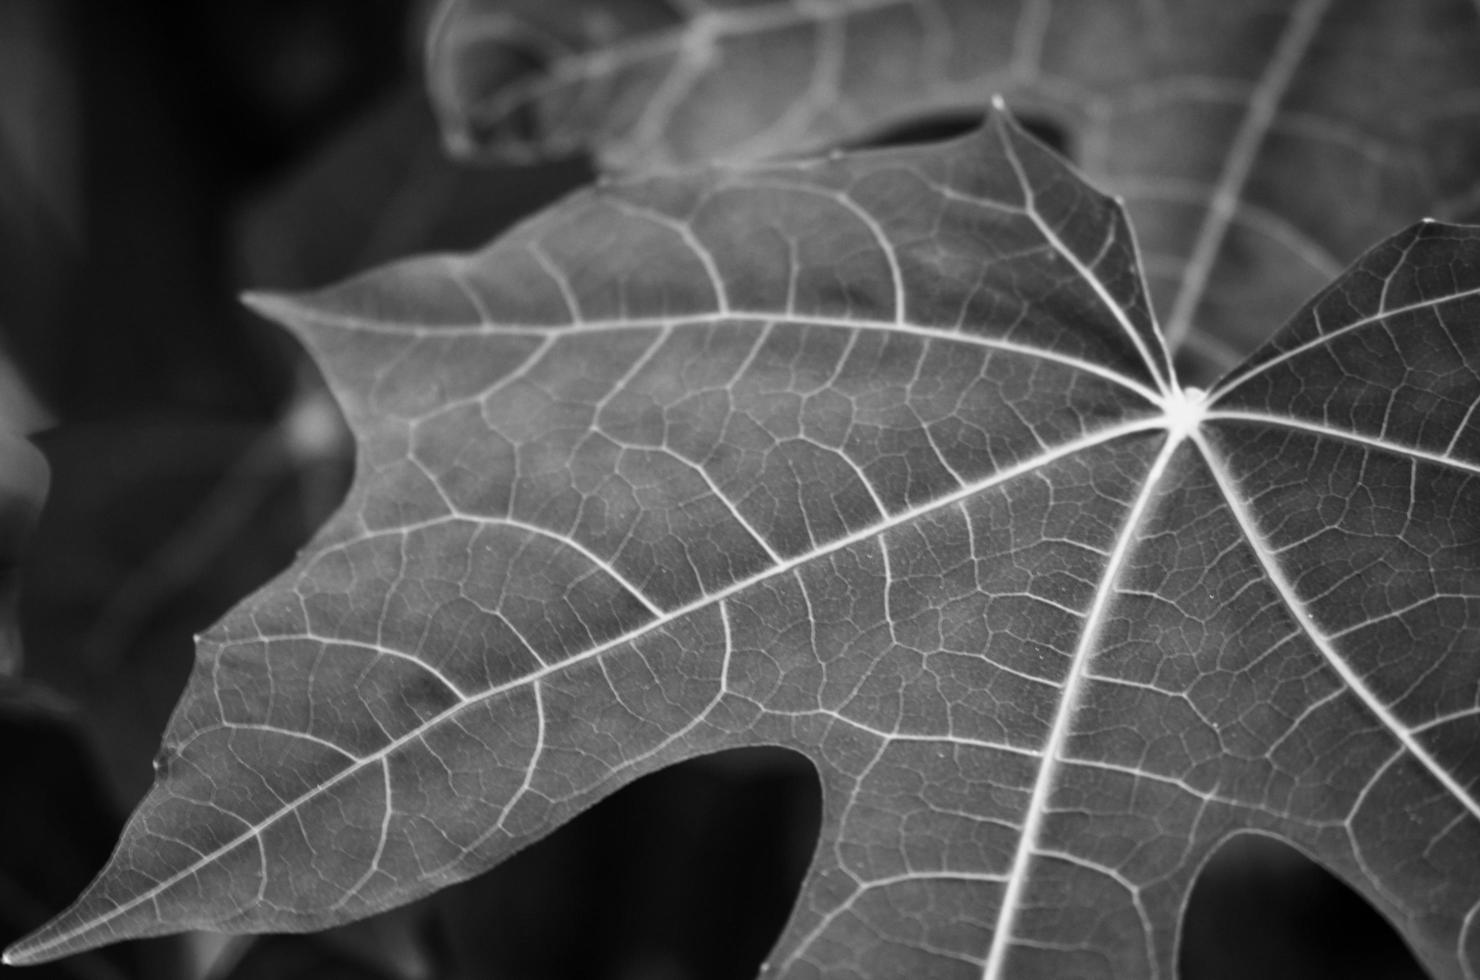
{"x":1073,"y":689}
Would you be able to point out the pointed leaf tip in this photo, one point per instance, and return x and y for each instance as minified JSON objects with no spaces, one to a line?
{"x":259,"y":300}
{"x":40,"y":945}
{"x":287,"y":310}
{"x":280,"y":308}
{"x":24,"y":951}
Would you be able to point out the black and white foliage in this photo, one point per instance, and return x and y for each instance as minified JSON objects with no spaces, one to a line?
{"x":881,"y":458}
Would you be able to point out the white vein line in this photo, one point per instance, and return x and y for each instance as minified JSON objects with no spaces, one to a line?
{"x":928,"y":429}
{"x":1347,"y":825}
{"x":576,"y":546}
{"x":764,"y":329}
{"x":558,"y":277}
{"x":449,"y":405}
{"x":238,"y":726}
{"x":533,"y":765}
{"x":346,"y":322}
{"x":877,"y":230}
{"x":1120,"y":879}
{"x":385,"y":832}
{"x":1466,"y":927}
{"x":1464,"y":424}
{"x":403,"y":564}
{"x":1255,"y":126}
{"x":1327,"y":336}
{"x":908,"y":876}
{"x":1073,"y":688}
{"x":639,"y":364}
{"x":1387,"y":283}
{"x":530,"y":769}
{"x":863,"y":886}
{"x":1331,"y":432}
{"x":1445,"y":719}
{"x":1269,"y":561}
{"x":1158,"y":337}
{"x":685,"y":232}
{"x":888,"y":586}
{"x":801,"y":581}
{"x":1080,"y":269}
{"x":733,"y":509}
{"x":1132,"y":772}
{"x":943,"y":739}
{"x":455,"y":266}
{"x":1394,"y":614}
{"x":379,"y":650}
{"x":262,"y":875}
{"x":700,"y":717}
{"x":864,"y":480}
{"x":1068,"y":449}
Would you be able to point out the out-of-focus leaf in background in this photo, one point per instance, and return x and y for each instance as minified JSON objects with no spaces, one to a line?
{"x":383,"y":190}
{"x":1259,"y":146}
{"x":23,"y":480}
{"x":36,"y":215}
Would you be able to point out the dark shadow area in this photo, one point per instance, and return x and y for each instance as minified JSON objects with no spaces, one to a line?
{"x":689,"y":872}
{"x":56,"y":829}
{"x":933,"y":129}
{"x":1262,"y":909}
{"x":302,"y":958}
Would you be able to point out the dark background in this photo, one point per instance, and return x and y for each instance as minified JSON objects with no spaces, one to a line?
{"x":156,"y":158}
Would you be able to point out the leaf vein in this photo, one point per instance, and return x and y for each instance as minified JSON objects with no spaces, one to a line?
{"x":1286,"y":589}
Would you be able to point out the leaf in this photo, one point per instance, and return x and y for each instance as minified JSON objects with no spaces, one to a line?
{"x":880,"y":459}
{"x":1255,"y":153}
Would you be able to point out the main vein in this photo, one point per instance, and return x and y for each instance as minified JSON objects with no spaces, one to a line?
{"x":1073,"y":688}
{"x":1286,"y":590}
{"x":1068,"y":449}
{"x":294,"y":312}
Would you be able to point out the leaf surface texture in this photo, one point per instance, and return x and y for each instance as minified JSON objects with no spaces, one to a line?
{"x":882,"y":459}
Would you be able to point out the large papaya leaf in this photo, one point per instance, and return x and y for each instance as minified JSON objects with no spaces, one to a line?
{"x":1259,"y":146}
{"x":880,"y":458}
